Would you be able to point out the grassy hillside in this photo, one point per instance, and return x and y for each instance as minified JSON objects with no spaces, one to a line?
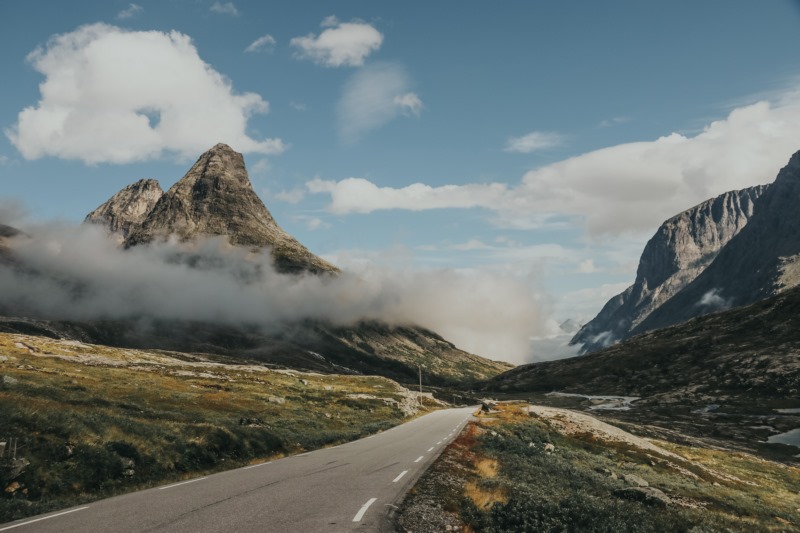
{"x":92,"y":421}
{"x":369,"y":347}
{"x":558,"y":470}
{"x":748,"y":353}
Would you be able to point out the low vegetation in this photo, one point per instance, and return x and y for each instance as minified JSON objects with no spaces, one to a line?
{"x":556,"y":470}
{"x":91,"y":421}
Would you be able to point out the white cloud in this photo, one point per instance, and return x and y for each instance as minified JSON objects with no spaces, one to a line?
{"x":298,"y":106}
{"x":117,"y":96}
{"x":625,"y":189}
{"x":313,"y":223}
{"x":295,"y":196}
{"x":341,"y":44}
{"x":409,"y":103}
{"x":357,"y":195}
{"x":470,"y":245}
{"x":533,"y":142}
{"x":714,"y":301}
{"x":226,"y":8}
{"x":372,"y":97}
{"x":263,"y":43}
{"x":483,"y":312}
{"x":131,"y":11}
{"x":329,"y":21}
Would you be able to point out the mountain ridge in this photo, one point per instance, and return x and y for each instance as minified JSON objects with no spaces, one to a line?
{"x":679,"y":251}
{"x":215,"y":198}
{"x":761,"y":261}
{"x":125,"y":211}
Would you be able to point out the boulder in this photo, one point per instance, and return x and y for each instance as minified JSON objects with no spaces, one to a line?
{"x":647,"y":495}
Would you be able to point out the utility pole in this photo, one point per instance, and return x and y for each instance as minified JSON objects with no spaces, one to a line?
{"x":420,"y":378}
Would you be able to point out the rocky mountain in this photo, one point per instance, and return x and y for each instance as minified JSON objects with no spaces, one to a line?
{"x":744,"y":354}
{"x":570,"y":325}
{"x":762,"y":260}
{"x":124,"y":212}
{"x":216,"y":198}
{"x":6,"y":233}
{"x":682,"y":248}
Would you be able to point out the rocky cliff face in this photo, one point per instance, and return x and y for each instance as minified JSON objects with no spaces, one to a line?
{"x":760,"y":261}
{"x":682,"y":248}
{"x":215,"y":198}
{"x":124,"y":212}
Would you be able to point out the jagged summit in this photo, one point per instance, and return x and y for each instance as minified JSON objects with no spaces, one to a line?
{"x":216,"y":198}
{"x":681,"y":249}
{"x":762,"y":260}
{"x":126,"y":210}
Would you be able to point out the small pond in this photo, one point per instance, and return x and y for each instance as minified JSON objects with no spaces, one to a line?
{"x":792,"y":438}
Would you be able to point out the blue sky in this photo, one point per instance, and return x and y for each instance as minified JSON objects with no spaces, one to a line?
{"x":543,"y":141}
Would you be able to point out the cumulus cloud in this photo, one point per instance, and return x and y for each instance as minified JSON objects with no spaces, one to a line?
{"x":115,"y":96}
{"x":533,"y":142}
{"x":340,"y":44}
{"x":129,"y":12}
{"x":263,"y":43}
{"x":627,"y":188}
{"x":357,"y":195}
{"x":224,"y":8}
{"x":78,"y":273}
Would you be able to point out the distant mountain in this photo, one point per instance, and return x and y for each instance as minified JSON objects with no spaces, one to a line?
{"x":680,"y":250}
{"x":124,"y":212}
{"x":370,"y":347}
{"x":570,"y":326}
{"x":216,"y":198}
{"x":748,"y":352}
{"x":8,"y":231}
{"x":762,"y":260}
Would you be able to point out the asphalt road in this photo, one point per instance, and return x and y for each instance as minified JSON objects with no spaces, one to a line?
{"x":350,"y":487}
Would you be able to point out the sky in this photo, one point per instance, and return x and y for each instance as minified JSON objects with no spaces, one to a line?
{"x":539,"y":142}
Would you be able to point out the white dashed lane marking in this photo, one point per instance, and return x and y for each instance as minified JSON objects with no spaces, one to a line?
{"x":360,"y":514}
{"x":398,"y":478}
{"x":420,"y":458}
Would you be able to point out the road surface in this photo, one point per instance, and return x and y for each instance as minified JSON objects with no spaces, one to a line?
{"x":350,"y":487}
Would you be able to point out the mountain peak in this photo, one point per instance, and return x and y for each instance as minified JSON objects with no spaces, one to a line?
{"x":762,"y":260}
{"x":682,"y":247}
{"x":216,"y":198}
{"x":125,"y":211}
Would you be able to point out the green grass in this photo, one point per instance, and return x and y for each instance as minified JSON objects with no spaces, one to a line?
{"x":572,"y":489}
{"x":82,"y":413}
